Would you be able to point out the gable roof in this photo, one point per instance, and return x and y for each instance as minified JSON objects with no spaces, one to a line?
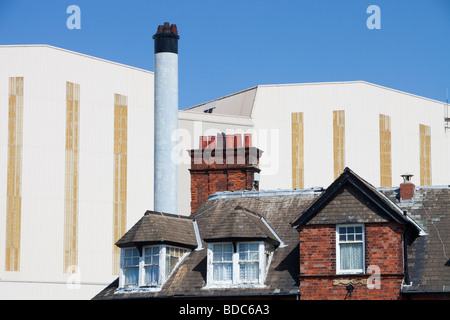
{"x":157,"y":227}
{"x":372,"y":196}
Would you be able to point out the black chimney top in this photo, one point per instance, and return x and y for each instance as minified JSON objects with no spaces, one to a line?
{"x":166,"y":38}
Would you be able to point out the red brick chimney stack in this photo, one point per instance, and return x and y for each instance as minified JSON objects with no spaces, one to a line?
{"x":222,"y":163}
{"x":407,"y":187}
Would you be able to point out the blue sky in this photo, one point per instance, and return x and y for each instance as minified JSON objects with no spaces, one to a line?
{"x":227,"y":46}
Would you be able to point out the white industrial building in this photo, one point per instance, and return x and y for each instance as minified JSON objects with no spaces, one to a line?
{"x":76,"y":155}
{"x":310,"y":132}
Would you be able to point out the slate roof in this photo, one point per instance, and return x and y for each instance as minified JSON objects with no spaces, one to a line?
{"x":189,"y":278}
{"x":158,"y":227}
{"x":239,"y":224}
{"x":223,"y":214}
{"x":428,"y":256}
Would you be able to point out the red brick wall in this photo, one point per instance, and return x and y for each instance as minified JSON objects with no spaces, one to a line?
{"x":214,"y":170}
{"x":407,"y":191}
{"x":318,"y":278}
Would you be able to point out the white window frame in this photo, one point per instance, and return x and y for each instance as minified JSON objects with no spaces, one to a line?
{"x":212,"y":263}
{"x":144,"y":282}
{"x":263,"y":258}
{"x":338,"y":250}
{"x":162,"y":276}
{"x":123,"y":267}
{"x":249,"y":261}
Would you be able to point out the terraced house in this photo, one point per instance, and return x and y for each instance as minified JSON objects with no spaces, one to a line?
{"x":348,"y":241}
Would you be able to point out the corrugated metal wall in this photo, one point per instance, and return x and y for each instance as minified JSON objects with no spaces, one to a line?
{"x":382,"y":138}
{"x":67,"y":155}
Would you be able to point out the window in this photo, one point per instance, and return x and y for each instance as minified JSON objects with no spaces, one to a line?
{"x":239,"y":264}
{"x":350,"y":249}
{"x":151,"y":265}
{"x":152,"y":269}
{"x":222,"y":262}
{"x":131,"y":266}
{"x":173,"y":256}
{"x":249,"y":261}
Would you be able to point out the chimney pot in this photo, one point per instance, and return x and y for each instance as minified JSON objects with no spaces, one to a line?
{"x":237,"y":140}
{"x":407,"y":177}
{"x":248,"y":140}
{"x":173,"y":28}
{"x":229,"y":143}
{"x":203,"y":142}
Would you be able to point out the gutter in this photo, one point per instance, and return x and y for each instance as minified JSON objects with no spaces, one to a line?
{"x":424,"y":291}
{"x":295,"y":295}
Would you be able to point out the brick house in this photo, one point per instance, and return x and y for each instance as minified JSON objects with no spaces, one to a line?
{"x":353,"y":239}
{"x":349,"y":241}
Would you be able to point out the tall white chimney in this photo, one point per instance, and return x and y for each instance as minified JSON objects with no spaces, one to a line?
{"x":166,"y":119}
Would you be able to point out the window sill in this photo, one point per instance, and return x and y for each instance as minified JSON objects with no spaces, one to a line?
{"x":136,"y":289}
{"x":350,"y":273}
{"x":247,"y":285}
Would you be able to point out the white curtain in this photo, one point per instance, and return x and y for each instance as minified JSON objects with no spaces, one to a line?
{"x":249,"y":261}
{"x":249,"y":271}
{"x":222,"y":262}
{"x":351,"y":256}
{"x":223,"y":271}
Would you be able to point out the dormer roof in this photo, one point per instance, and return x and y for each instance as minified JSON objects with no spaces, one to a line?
{"x":240,"y":224}
{"x":157,"y":227}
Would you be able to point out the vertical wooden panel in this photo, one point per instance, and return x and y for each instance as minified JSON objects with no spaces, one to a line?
{"x":14,"y":173}
{"x":338,"y":142}
{"x":297,"y":150}
{"x":385,"y":151}
{"x":71,"y":177}
{"x":425,"y":155}
{"x":120,"y":174}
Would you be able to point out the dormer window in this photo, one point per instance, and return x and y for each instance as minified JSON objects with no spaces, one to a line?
{"x":146,"y":260}
{"x":151,"y":270}
{"x":237,"y":264}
